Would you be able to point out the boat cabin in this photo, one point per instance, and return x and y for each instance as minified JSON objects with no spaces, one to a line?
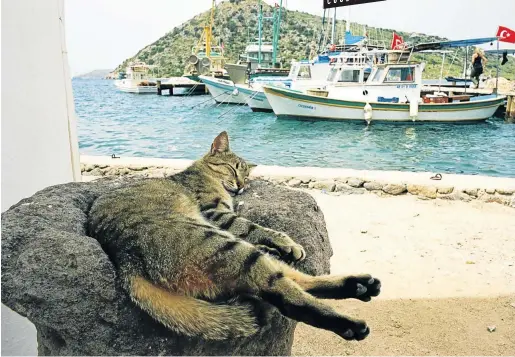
{"x":138,"y":71}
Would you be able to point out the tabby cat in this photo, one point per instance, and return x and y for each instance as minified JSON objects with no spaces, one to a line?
{"x":179,"y":246}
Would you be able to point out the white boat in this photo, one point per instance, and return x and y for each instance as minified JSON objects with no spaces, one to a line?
{"x":309,"y":74}
{"x":137,"y":79}
{"x":392,"y":93}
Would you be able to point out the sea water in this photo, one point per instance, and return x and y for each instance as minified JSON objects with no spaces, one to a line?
{"x":113,"y":122}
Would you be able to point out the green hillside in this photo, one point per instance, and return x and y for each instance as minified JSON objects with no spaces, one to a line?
{"x":236,"y":21}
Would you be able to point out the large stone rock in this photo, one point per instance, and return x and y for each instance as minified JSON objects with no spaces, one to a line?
{"x":422,"y":191}
{"x":345,"y":189}
{"x":60,"y":278}
{"x":327,"y":185}
{"x":355,"y":182}
{"x":373,"y":185}
{"x":394,"y":189}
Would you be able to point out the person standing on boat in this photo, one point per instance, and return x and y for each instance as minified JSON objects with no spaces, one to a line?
{"x":478,"y":63}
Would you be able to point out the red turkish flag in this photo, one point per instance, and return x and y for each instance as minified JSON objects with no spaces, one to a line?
{"x":397,"y":42}
{"x":505,"y":34}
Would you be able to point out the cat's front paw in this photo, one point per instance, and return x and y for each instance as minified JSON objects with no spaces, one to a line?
{"x":287,"y":248}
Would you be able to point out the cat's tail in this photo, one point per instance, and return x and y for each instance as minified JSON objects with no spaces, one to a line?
{"x":190,"y":316}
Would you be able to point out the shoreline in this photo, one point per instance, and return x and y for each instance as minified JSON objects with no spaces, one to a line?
{"x":333,"y":181}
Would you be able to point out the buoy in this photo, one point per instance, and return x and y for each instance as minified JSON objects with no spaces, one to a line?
{"x":413,"y":109}
{"x":235,"y":92}
{"x":367,"y":112}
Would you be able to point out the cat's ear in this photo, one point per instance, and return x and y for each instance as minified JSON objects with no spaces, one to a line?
{"x":221,"y":143}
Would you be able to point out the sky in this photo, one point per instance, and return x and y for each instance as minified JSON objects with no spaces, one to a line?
{"x":100,"y":34}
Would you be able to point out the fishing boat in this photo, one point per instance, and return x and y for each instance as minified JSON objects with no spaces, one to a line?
{"x":259,"y":64}
{"x":311,"y":74}
{"x":206,"y":59}
{"x":392,"y":93}
{"x":137,"y":79}
{"x":303,"y":74}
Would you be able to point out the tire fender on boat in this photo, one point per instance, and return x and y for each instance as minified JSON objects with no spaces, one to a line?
{"x":367,"y":113}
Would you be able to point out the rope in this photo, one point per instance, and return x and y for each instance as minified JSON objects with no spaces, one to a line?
{"x":238,"y":106}
{"x":208,"y":100}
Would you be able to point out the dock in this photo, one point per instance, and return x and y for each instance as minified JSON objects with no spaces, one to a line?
{"x":510,"y":108}
{"x":181,"y":86}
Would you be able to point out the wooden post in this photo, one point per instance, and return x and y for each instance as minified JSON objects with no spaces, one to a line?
{"x":159,"y":91}
{"x":170,"y":91}
{"x":510,"y":109}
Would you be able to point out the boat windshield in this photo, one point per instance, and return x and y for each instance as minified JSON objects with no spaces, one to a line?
{"x":349,"y":76}
{"x":293,"y":70}
{"x":332,"y":74}
{"x":304,"y":72}
{"x":403,"y":74}
{"x":378,"y":75}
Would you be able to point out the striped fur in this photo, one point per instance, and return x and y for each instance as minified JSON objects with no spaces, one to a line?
{"x":183,"y":255}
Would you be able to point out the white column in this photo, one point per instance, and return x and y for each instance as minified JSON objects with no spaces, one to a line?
{"x":39,"y":138}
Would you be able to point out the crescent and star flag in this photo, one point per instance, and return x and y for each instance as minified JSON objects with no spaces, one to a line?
{"x":505,"y":34}
{"x":397,"y":42}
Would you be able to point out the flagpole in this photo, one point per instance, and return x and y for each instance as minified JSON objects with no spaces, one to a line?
{"x":497,"y":79}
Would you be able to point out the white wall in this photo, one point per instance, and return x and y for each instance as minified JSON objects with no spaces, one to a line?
{"x":39,"y":140}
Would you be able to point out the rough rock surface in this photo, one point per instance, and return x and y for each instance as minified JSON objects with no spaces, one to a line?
{"x":394,"y":189}
{"x":373,"y":185}
{"x":328,"y":185}
{"x":62,"y":281}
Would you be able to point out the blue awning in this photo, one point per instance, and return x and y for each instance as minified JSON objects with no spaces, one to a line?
{"x":452,"y":44}
{"x":351,"y":39}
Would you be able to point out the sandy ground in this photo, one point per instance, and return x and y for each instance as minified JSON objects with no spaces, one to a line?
{"x":447,"y":271}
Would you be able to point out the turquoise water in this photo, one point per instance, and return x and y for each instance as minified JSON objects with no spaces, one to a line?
{"x":184,"y":127}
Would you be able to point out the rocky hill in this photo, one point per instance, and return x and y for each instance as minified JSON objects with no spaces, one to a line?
{"x":236,"y":22}
{"x":95,"y":74}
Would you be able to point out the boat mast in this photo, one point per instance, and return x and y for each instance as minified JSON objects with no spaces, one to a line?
{"x":322,"y":32}
{"x":277,"y":28}
{"x":334,"y":26}
{"x":260,"y":25}
{"x":209,"y":31}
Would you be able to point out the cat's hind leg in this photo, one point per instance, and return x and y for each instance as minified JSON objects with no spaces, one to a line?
{"x":260,"y":275}
{"x":361,"y":287}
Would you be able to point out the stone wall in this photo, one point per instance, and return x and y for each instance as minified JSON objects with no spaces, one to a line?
{"x":339,"y":186}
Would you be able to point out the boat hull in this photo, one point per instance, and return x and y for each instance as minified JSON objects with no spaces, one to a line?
{"x":224,"y":91}
{"x":291,"y":104}
{"x":257,"y":101}
{"x":128,"y":87}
